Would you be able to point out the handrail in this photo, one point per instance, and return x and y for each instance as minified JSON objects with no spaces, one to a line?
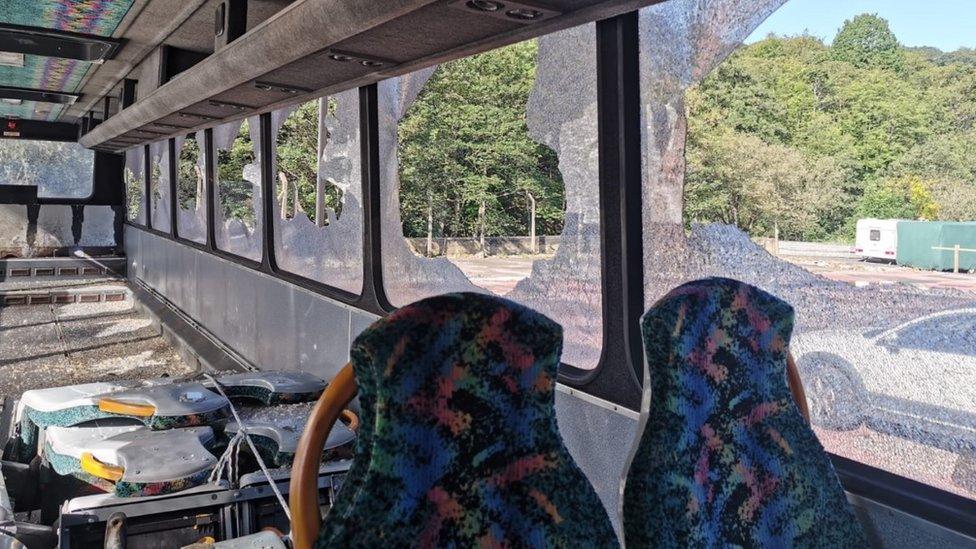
{"x":796,"y":387}
{"x":303,"y":493}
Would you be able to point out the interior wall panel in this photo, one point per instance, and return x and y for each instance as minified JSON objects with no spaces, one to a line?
{"x":276,"y":325}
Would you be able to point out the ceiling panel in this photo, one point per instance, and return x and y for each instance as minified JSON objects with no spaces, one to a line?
{"x":98,"y":17}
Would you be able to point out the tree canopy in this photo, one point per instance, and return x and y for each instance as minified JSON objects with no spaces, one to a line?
{"x":464,"y":143}
{"x":862,"y":127}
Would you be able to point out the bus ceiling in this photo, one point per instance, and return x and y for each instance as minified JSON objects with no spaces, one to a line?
{"x":183,"y":84}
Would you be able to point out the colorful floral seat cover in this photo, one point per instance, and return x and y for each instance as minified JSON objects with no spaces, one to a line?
{"x":726,"y":459}
{"x":465,"y":448}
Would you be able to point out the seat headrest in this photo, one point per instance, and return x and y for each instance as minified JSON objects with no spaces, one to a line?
{"x":699,"y":320}
{"x":495,"y":338}
{"x":725,"y":458}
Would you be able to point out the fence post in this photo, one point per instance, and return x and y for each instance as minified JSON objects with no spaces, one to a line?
{"x":955,"y":259}
{"x":534,"y":246}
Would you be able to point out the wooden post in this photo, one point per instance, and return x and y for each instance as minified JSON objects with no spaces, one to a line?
{"x":295,"y":207}
{"x":283,"y":194}
{"x":481,"y":223}
{"x":533,"y":243}
{"x":956,"y":250}
{"x":199,"y":173}
{"x":430,"y":224}
{"x":775,"y":237}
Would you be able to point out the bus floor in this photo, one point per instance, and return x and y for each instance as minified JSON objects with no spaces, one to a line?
{"x":55,"y":344}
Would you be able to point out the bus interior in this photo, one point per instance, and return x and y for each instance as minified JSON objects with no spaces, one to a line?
{"x":309,"y":273}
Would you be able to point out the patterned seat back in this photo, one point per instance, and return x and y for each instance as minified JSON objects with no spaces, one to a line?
{"x":725,"y":459}
{"x":465,"y":449}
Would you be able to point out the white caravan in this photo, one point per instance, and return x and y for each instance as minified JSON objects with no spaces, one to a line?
{"x":876,"y":238}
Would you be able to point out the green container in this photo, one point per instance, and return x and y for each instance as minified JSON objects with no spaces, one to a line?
{"x":916,"y":240}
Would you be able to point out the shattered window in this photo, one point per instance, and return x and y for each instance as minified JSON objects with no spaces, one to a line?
{"x":759,"y":161}
{"x":58,"y":169}
{"x":238,"y":180}
{"x":318,"y":191}
{"x":191,"y":214}
{"x":135,"y":189}
{"x":159,"y":191}
{"x":490,"y":182}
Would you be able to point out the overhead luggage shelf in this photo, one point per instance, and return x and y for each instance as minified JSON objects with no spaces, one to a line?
{"x":342,"y":44}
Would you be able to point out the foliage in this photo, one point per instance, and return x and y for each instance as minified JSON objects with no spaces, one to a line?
{"x":867,"y":42}
{"x":236,"y":194}
{"x":465,"y":143}
{"x":134,"y":192}
{"x":189,"y":174}
{"x":905,"y":197}
{"x":297,"y":159}
{"x":859,"y":127}
{"x":737,"y":178}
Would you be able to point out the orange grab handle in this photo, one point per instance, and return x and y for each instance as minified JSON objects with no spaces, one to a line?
{"x":91,"y":465}
{"x":126,"y":408}
{"x":303,"y":496}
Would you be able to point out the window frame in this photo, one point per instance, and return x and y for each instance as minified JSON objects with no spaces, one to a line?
{"x":145,"y":188}
{"x":616,"y":378}
{"x":174,"y":185}
{"x":569,"y":374}
{"x":269,"y":149}
{"x":168,"y":151}
{"x":213,"y":196}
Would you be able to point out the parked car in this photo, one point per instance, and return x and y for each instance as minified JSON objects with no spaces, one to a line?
{"x":916,"y":380}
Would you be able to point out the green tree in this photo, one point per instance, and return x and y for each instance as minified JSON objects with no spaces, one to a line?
{"x":467,"y":163}
{"x":848,"y":119}
{"x":236,"y":194}
{"x":297,"y":145}
{"x":738,"y":179}
{"x":189,"y":175}
{"x":899,"y":198}
{"x":867,"y":42}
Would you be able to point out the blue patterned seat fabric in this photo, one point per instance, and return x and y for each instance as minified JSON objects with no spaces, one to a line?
{"x":465,"y":449}
{"x":726,"y":459}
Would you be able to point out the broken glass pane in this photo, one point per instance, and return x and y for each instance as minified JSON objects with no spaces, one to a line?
{"x":887,"y":354}
{"x":238,"y":180}
{"x":59,"y":169}
{"x":159,"y":190}
{"x":135,"y":190}
{"x":490,"y":182}
{"x":191,"y":216}
{"x":318,"y":191}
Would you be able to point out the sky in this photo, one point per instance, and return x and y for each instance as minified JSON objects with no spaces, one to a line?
{"x":945,"y":24}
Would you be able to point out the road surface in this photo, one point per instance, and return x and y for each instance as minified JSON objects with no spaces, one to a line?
{"x":499,"y":274}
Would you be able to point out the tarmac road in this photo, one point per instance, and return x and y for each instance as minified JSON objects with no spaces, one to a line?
{"x":499,"y":274}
